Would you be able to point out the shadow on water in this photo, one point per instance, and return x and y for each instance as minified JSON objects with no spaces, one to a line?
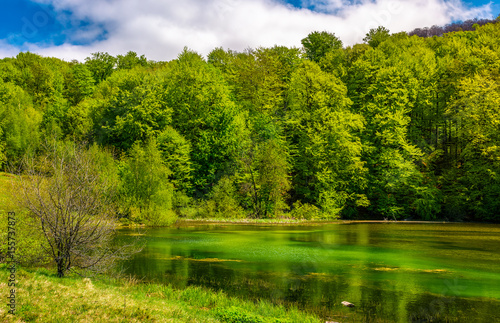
{"x":392,"y":273}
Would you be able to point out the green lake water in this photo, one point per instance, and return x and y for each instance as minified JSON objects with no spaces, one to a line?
{"x":392,"y":272}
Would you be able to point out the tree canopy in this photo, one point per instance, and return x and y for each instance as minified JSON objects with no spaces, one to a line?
{"x":401,"y":126}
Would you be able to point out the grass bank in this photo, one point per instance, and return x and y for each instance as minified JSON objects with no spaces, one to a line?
{"x":42,"y":297}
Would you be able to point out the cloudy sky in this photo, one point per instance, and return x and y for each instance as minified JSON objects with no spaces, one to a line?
{"x":160,"y":29}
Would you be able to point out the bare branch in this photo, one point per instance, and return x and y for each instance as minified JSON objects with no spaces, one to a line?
{"x":70,"y":196}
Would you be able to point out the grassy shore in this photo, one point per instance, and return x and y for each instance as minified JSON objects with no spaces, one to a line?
{"x":42,"y":297}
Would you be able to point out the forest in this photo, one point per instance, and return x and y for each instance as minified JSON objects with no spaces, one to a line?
{"x":398,"y":127}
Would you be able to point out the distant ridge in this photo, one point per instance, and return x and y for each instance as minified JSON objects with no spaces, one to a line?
{"x":467,"y":25}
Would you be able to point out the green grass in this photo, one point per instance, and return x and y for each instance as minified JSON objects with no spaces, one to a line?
{"x":42,"y":297}
{"x":7,"y":200}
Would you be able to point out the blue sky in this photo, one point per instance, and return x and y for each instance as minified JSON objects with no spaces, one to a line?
{"x":72,"y":29}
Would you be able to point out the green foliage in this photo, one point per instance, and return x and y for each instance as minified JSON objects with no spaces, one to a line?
{"x":318,"y":44}
{"x":325,"y":134}
{"x":9,"y":73}
{"x":3,"y":157}
{"x":130,"y":60}
{"x":79,"y":83}
{"x":34,"y":76}
{"x":305,"y":211}
{"x":265,"y":179}
{"x":130,"y":106}
{"x":334,"y":62}
{"x":396,"y":127}
{"x":101,"y":65}
{"x":476,"y":109}
{"x":43,"y":81}
{"x":259,"y":78}
{"x":222,"y":201}
{"x":105,"y":162}
{"x":147,"y":192}
{"x":223,"y":60}
{"x":176,"y":154}
{"x":376,"y":36}
{"x":428,"y":203}
{"x":29,"y":250}
{"x":53,"y":119}
{"x":19,"y":123}
{"x":204,"y":114}
{"x":78,"y":124}
{"x":387,"y":95}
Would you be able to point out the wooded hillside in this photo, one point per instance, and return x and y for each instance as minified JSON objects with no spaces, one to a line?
{"x":397,"y":127}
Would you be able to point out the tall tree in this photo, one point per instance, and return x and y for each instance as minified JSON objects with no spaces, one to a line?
{"x":318,"y":44}
{"x":147,"y":192}
{"x":42,"y":78}
{"x":205,"y":115}
{"x":264,"y":174}
{"x":79,"y":83}
{"x":19,"y":122}
{"x":176,"y":154}
{"x":130,"y":60}
{"x":101,"y":65}
{"x":327,"y":165}
{"x":476,"y":180}
{"x":130,"y":106}
{"x":376,"y":36}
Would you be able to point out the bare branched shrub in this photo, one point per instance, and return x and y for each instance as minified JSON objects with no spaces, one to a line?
{"x":70,"y":192}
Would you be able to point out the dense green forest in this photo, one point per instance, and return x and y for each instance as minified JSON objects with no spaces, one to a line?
{"x":396,"y":127}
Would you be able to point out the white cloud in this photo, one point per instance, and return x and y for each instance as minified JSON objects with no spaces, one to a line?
{"x":160,"y":29}
{"x":7,"y":50}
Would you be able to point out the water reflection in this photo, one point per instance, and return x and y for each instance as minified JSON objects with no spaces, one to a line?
{"x":392,"y":272}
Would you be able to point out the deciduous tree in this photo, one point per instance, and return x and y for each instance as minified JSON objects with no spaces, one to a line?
{"x":318,"y":44}
{"x":327,"y":165}
{"x":69,"y":191}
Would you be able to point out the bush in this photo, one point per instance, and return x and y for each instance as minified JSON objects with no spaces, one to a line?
{"x":207,"y":209}
{"x":304,"y":211}
{"x":222,"y":202}
{"x":147,"y":195}
{"x":153,"y":215}
{"x":181,"y":203}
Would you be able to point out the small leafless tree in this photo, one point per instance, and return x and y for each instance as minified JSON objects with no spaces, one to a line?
{"x":70,"y":194}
